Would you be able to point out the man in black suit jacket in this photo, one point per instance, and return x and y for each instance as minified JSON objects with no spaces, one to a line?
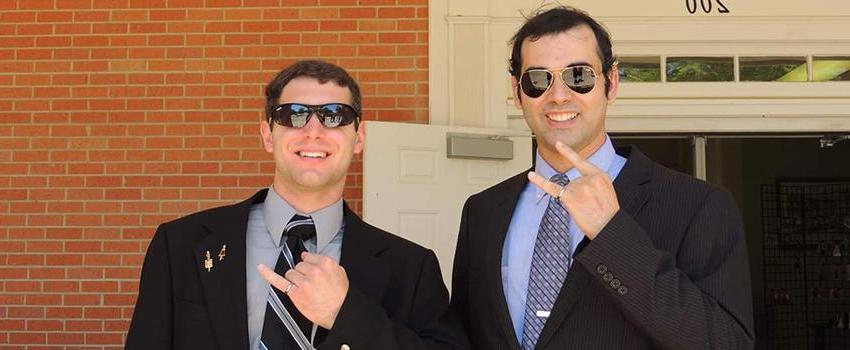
{"x":205,"y":280}
{"x":651,"y":260}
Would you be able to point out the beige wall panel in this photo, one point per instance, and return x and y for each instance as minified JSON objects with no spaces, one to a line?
{"x":438,"y":62}
{"x":498,"y":85}
{"x":695,"y":30}
{"x":469,"y":7}
{"x":468,"y":74}
{"x":649,"y":8}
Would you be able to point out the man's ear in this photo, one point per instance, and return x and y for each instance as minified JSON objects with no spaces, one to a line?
{"x":266,"y":136}
{"x":516,"y":93}
{"x":614,"y":78}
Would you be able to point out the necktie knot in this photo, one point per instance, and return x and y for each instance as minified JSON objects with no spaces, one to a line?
{"x":301,"y":227}
{"x":560,"y":179}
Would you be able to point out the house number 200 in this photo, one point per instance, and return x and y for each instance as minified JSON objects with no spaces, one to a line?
{"x":706,"y":5}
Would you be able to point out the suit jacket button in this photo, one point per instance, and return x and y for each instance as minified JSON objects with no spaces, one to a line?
{"x":601,"y":269}
{"x":615,"y":283}
{"x":607,"y":277}
{"x":623,"y":290}
{"x":344,"y":347}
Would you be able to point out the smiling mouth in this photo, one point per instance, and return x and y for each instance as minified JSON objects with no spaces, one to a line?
{"x":314,"y":155}
{"x":562,"y":116}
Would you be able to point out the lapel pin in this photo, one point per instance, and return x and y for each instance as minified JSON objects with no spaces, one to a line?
{"x":222,"y":253}
{"x":208,"y":263}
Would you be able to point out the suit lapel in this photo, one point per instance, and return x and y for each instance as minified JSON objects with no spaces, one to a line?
{"x":629,"y":184}
{"x":499,"y":220}
{"x":361,"y":246}
{"x":225,"y":283}
{"x":632,"y":196}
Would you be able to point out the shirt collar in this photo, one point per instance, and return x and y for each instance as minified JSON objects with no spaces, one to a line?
{"x":278,"y":212}
{"x":602,"y":159}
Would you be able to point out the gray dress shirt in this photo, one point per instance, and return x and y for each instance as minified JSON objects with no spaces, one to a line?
{"x":264,"y":244}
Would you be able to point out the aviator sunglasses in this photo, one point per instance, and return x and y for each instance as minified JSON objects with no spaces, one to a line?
{"x":536,"y":81}
{"x":296,"y":115}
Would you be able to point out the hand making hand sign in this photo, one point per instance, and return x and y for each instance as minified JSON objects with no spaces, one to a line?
{"x":590,"y":199}
{"x":317,"y":286}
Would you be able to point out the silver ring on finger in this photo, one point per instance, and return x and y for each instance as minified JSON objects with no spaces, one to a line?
{"x":561,"y":192}
{"x":286,"y":291}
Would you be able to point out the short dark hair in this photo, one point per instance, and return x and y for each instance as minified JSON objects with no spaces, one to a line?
{"x":319,"y":70}
{"x":557,"y":20}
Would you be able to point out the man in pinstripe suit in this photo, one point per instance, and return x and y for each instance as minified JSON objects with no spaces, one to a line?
{"x":595,"y":247}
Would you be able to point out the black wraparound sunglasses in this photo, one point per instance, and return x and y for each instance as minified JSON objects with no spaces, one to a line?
{"x":331,"y":115}
{"x":581,"y":79}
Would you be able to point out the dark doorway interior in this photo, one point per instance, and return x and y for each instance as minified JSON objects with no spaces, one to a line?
{"x":794,"y":195}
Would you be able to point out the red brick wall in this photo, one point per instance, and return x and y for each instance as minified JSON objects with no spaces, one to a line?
{"x":116,"y":115}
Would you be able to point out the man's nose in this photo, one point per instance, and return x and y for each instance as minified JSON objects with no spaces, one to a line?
{"x":314,"y":124}
{"x":559,"y":92}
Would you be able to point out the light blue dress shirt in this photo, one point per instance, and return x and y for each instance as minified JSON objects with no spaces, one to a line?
{"x":263,"y":243}
{"x":522,"y":232}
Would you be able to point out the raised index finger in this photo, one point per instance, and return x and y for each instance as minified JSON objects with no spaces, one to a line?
{"x":547,"y":186}
{"x":583,"y":165}
{"x":273,"y":278}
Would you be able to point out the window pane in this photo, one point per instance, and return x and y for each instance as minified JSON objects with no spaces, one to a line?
{"x":700,"y":69}
{"x":773,"y":69}
{"x":634,"y":69}
{"x":831,"y":68}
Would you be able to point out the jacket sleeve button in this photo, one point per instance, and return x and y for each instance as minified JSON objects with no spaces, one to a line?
{"x":623,"y":290}
{"x":601,"y":269}
{"x":615,"y":283}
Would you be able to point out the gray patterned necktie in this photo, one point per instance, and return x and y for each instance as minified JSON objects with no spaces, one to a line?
{"x":549,"y":266}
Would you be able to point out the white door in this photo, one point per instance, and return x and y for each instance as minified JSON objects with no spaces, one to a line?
{"x":412,"y":189}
